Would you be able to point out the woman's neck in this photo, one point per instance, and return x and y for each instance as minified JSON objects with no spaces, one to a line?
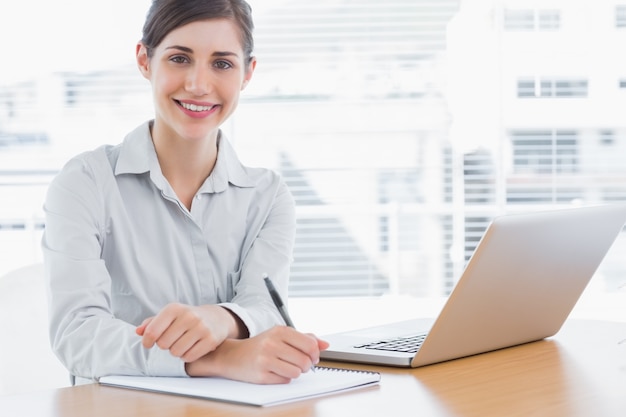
{"x":186,"y":164}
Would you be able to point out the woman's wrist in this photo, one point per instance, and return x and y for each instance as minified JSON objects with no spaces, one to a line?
{"x":205,"y":366}
{"x":213,"y":364}
{"x":238,"y":329}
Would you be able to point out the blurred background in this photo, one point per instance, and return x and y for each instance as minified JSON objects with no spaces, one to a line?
{"x":402,"y":127}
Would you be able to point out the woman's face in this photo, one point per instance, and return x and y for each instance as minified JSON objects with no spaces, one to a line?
{"x":197,"y":73}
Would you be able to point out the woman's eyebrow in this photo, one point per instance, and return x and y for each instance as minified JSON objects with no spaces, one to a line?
{"x":225,"y":54}
{"x":180,"y":48}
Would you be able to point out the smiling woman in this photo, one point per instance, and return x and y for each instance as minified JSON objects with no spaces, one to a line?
{"x":164,"y":238}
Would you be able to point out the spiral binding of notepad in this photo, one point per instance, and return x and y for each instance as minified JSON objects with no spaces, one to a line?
{"x":358,"y":371}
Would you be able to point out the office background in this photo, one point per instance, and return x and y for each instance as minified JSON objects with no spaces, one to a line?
{"x":402,"y":127}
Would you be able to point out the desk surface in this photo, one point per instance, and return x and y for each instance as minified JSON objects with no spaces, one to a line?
{"x":579,"y":372}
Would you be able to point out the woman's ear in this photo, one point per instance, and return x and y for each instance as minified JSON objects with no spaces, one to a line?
{"x":143,"y":61}
{"x":249,"y":72}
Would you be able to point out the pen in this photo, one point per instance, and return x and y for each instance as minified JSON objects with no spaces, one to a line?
{"x":278,"y":302}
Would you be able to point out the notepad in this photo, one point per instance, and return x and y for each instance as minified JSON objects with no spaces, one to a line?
{"x":323,"y":381}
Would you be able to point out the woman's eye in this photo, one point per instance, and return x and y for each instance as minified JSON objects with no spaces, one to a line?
{"x":223,"y":64}
{"x":179,"y":59}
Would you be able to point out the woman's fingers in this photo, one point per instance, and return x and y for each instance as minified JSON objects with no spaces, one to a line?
{"x":291,"y":352}
{"x":186,"y":331}
{"x":142,"y":327}
{"x":275,"y":356}
{"x":168,"y":326}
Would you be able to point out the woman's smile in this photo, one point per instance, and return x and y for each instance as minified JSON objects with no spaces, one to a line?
{"x":197,"y":110}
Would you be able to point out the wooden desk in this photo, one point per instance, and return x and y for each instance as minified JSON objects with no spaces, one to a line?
{"x":579,"y":372}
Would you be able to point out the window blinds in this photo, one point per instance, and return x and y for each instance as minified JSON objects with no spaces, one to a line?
{"x":350,"y":102}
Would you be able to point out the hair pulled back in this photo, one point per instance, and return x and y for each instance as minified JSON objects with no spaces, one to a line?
{"x":166,"y":15}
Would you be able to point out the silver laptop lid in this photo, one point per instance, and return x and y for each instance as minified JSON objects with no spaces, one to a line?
{"x":522,"y":281}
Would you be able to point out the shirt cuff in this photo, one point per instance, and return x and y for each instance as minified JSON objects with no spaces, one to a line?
{"x":162,"y":363}
{"x":243,"y":315}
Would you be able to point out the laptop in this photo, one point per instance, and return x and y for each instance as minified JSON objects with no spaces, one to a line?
{"x":522,"y":281}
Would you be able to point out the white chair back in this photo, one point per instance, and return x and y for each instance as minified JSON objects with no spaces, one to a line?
{"x":26,"y":360}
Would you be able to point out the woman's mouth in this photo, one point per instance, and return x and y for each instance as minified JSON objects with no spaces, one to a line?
{"x":197,"y":109}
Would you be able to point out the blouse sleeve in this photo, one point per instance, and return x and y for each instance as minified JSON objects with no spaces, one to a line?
{"x":84,"y":333}
{"x":270,"y":252}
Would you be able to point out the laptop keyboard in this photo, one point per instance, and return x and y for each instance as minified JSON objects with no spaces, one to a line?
{"x":409,"y":344}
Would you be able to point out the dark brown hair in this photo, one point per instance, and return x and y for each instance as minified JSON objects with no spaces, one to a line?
{"x":167,"y":15}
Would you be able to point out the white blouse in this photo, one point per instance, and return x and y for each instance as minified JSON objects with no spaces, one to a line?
{"x":118,"y":246}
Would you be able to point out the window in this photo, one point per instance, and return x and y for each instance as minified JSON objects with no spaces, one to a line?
{"x":548,"y":19}
{"x":519,"y":19}
{"x":569,"y":88}
{"x":526,"y":88}
{"x":388,"y":120}
{"x":531,"y":19}
{"x":620,"y":16}
{"x":551,"y":87}
{"x":544,"y":152}
{"x":607,"y":137}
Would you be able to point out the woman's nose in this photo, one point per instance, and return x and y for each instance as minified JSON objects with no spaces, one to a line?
{"x":199,"y":81}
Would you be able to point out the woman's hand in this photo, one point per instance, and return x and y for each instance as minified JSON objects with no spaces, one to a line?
{"x":189,"y":332}
{"x":275,"y":356}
